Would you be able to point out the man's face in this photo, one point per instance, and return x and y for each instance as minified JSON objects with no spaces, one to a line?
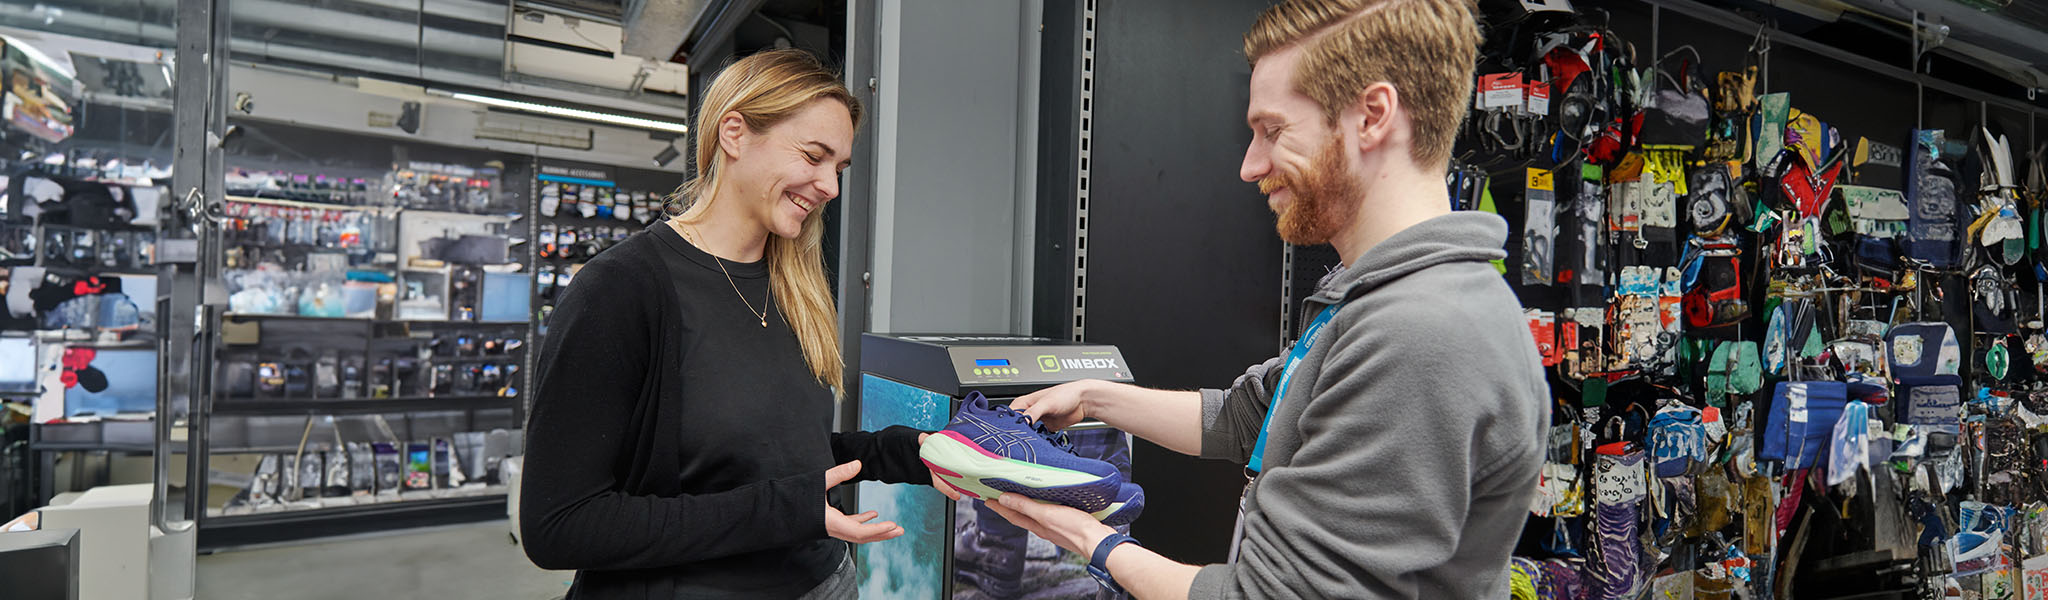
{"x":1296,"y":156}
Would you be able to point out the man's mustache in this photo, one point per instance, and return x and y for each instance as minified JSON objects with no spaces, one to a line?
{"x":1273,"y":183}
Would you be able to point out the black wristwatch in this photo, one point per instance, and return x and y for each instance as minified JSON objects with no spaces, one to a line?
{"x":1098,"y":563}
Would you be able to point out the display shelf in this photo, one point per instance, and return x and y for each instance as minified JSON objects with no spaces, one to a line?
{"x":278,"y":449}
{"x":112,"y":436}
{"x":312,"y":205}
{"x":219,"y":530}
{"x":231,"y":407}
{"x":339,"y":503}
{"x":285,"y":317}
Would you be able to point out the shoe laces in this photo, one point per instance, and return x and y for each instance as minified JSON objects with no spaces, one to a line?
{"x":1057,"y":438}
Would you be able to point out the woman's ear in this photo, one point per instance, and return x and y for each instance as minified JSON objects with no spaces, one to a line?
{"x":732,"y":131}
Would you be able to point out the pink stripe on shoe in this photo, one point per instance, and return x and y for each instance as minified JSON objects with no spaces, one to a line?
{"x":970,"y":443}
{"x":941,"y":470}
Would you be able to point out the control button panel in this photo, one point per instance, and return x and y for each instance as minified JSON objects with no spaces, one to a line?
{"x":983,"y":365}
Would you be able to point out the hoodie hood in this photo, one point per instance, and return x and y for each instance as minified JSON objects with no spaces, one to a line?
{"x":1463,"y":236}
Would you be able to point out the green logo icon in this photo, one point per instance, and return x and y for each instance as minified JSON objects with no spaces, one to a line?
{"x":1048,"y":363}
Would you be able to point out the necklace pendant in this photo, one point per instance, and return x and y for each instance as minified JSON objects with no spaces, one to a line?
{"x":764,"y":322}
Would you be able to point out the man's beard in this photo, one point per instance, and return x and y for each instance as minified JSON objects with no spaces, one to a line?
{"x":1325,"y":198}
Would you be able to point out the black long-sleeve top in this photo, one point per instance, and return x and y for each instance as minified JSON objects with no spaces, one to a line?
{"x":676,"y":448}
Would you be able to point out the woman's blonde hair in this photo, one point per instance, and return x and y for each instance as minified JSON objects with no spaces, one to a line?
{"x":765,"y":89}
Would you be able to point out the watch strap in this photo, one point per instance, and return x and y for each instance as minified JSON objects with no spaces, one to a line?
{"x":1098,"y":562}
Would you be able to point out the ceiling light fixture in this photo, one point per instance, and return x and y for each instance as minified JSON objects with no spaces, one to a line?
{"x":573,"y":113}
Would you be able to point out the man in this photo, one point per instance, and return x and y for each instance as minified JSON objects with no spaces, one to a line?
{"x":1397,"y":445}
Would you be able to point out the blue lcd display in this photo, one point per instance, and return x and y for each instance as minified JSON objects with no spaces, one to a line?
{"x":991,"y":362}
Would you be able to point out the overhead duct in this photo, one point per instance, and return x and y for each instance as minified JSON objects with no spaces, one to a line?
{"x":654,"y":29}
{"x":452,"y":42}
{"x":1988,"y":30}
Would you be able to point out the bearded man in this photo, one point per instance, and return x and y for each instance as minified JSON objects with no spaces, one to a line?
{"x":1393,"y":451}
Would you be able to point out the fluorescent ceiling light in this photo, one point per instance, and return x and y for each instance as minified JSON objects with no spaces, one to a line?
{"x":573,"y":113}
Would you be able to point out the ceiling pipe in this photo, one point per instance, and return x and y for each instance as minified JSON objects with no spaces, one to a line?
{"x":654,"y":29}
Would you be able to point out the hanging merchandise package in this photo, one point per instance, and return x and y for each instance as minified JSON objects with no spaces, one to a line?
{"x":1589,"y":210}
{"x":1677,"y":113}
{"x":1539,"y":232}
{"x":1924,"y":349}
{"x":1935,"y":400}
{"x":1848,"y":448}
{"x":263,"y":487}
{"x":312,"y":470}
{"x":1772,"y":113}
{"x":1620,"y":485}
{"x":1802,"y":420}
{"x":362,"y":476}
{"x":1676,"y":439}
{"x":1931,"y":232}
{"x":2035,"y":577}
{"x":1978,"y":547}
{"x":337,"y":473}
{"x":390,"y":471}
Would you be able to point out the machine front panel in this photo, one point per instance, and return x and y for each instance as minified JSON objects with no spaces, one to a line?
{"x":1046,"y":365}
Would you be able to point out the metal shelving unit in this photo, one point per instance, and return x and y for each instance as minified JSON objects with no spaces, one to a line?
{"x":288,"y":419}
{"x":219,"y":532}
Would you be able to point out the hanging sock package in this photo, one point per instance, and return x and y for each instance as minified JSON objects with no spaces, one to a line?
{"x":1620,"y":485}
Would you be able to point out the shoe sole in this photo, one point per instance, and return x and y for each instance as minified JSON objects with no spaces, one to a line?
{"x":1116,"y":516}
{"x":977,"y":473}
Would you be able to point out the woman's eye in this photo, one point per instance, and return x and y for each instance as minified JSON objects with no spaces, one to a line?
{"x":812,"y":157}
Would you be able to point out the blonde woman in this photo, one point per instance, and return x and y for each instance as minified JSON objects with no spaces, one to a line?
{"x":680,"y":442}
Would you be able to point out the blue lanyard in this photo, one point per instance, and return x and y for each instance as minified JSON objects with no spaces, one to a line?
{"x":1301,"y":348}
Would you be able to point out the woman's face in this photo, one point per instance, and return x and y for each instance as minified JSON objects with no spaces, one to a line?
{"x":784,"y":174}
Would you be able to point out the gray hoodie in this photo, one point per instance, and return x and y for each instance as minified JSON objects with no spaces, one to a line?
{"x":1402,"y":461}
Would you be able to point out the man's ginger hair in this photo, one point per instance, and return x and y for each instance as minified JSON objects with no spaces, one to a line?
{"x":1425,"y":48}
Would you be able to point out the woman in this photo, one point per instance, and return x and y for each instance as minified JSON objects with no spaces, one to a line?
{"x":680,"y":442}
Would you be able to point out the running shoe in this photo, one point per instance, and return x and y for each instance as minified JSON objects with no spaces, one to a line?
{"x":988,"y":450}
{"x":1129,"y":502}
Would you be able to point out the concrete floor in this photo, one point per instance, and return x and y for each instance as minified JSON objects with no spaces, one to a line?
{"x":460,"y":561}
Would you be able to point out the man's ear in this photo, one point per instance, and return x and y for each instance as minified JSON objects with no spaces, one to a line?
{"x":1371,"y":118}
{"x":732,"y":129}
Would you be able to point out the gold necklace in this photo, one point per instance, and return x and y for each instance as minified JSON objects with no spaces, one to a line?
{"x":763,"y":313}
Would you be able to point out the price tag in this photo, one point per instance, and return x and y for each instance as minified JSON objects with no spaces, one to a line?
{"x":1540,"y":179}
{"x":1539,"y":98}
{"x":1501,"y":90}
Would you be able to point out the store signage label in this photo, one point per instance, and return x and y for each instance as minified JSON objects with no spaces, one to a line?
{"x":574,"y":172}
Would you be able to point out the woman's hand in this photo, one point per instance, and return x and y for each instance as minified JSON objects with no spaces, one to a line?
{"x":855,"y":528}
{"x":939,"y":484}
{"x":1064,"y":526}
{"x":1056,"y":407}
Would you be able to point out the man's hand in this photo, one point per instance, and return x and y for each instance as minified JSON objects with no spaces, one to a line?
{"x":1056,"y":407}
{"x":855,"y":528}
{"x":1064,"y":526}
{"x":939,"y":484}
